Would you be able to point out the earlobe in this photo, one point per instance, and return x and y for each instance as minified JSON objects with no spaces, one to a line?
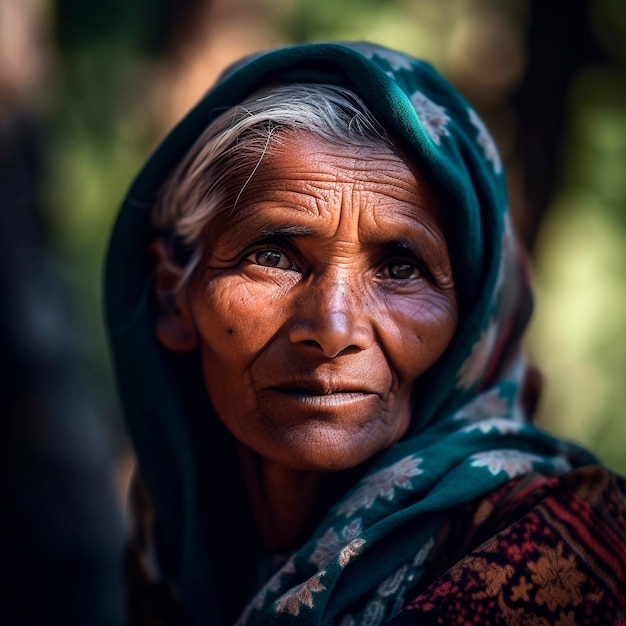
{"x":175,"y":327}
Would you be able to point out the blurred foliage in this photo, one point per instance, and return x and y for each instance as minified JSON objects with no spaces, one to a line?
{"x":99,"y":132}
{"x":434,"y":30}
{"x":416,"y":27}
{"x":105,"y":120}
{"x":578,"y":334}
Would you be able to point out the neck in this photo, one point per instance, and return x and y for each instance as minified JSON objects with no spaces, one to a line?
{"x":281,"y":498}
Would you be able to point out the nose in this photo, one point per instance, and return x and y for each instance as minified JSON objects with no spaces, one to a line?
{"x":331,"y":317}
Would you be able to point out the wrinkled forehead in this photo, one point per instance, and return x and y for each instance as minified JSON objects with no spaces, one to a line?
{"x":437,"y":127}
{"x":301,"y":174}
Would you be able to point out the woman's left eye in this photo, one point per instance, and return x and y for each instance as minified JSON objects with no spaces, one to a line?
{"x":270,"y":258}
{"x":402,"y":270}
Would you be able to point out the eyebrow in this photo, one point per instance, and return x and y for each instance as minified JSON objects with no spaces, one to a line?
{"x":235,"y":238}
{"x":414,"y":245}
{"x":415,"y":248}
{"x":403,"y":244}
{"x":265,"y":231}
{"x":287,"y":230}
{"x":421,"y":249}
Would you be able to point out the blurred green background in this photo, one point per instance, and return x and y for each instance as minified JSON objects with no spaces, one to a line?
{"x":87,"y":89}
{"x":102,"y":82}
{"x":550,"y":81}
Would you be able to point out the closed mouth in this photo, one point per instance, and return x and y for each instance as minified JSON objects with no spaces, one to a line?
{"x":318,"y":391}
{"x":317,"y":387}
{"x":313,"y":393}
{"x":317,"y":398}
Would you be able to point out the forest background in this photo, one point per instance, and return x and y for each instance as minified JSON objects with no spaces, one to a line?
{"x":87,"y":89}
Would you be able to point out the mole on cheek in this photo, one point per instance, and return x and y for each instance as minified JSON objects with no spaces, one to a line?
{"x":230,"y":331}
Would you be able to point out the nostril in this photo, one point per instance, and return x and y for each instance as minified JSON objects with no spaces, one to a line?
{"x":322,"y":325}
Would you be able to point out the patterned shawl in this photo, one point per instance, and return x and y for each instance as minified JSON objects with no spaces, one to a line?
{"x":469,"y":434}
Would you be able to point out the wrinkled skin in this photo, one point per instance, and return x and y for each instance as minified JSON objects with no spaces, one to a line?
{"x":319,"y":303}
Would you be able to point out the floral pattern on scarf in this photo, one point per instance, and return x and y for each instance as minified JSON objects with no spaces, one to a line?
{"x":471,"y":435}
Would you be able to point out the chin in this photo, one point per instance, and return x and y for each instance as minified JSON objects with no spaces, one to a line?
{"x":315,"y":455}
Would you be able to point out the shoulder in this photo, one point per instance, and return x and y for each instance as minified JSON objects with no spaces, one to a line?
{"x":537,"y":550}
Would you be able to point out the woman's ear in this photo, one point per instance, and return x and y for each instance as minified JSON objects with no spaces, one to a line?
{"x":175,"y":327}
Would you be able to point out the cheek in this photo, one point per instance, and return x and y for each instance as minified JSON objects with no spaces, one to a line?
{"x":234,"y":320}
{"x":235,"y":324}
{"x":418,"y":331}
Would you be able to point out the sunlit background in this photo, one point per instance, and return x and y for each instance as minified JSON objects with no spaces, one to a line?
{"x":87,"y":89}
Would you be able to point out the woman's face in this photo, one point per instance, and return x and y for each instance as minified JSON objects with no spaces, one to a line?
{"x":320,"y":301}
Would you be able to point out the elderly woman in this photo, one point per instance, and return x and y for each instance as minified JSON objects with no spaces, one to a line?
{"x":315,"y":301}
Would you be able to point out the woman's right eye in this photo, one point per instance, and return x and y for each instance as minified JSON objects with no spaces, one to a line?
{"x":270,"y":258}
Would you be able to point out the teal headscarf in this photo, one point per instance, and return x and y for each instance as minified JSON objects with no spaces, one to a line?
{"x":469,"y":431}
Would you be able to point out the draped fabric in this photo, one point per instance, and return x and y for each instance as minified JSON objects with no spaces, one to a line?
{"x":470,"y":433}
{"x":537,"y":550}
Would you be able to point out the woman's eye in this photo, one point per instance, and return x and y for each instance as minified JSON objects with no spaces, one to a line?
{"x":402,"y":271}
{"x":270,"y":258}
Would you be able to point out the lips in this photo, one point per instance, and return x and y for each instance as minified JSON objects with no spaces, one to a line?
{"x":317,"y":394}
{"x":322,"y":387}
{"x":351,"y":387}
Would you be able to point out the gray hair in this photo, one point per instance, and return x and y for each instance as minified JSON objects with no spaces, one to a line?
{"x":223,"y":160}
